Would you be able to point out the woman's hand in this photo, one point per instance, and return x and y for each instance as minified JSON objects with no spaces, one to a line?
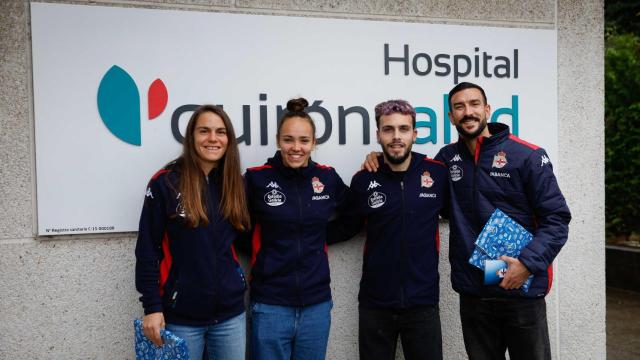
{"x":151,"y":325}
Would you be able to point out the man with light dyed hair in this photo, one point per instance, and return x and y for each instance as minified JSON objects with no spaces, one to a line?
{"x":399,"y":289}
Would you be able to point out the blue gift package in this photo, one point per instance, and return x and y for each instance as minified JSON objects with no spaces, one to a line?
{"x":174,"y":348}
{"x":500,"y":236}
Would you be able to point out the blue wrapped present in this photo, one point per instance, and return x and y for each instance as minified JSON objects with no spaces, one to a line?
{"x":174,"y":348}
{"x":500,"y":236}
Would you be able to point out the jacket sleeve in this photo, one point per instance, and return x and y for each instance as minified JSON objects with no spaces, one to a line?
{"x":243,"y":242}
{"x":149,"y":248}
{"x":348,"y":221}
{"x":550,"y":210}
{"x":444,"y":213}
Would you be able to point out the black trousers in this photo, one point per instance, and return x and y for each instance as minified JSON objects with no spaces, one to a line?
{"x":492,"y":326}
{"x":419,"y":331}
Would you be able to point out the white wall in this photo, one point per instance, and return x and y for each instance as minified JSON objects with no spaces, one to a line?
{"x":73,"y":297}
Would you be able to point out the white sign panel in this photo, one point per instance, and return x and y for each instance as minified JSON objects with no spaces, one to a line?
{"x":114,"y":87}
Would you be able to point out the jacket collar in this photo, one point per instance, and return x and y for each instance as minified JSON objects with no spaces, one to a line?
{"x":499,"y":133}
{"x":215,"y":175}
{"x":276,"y":162}
{"x":415,"y":160}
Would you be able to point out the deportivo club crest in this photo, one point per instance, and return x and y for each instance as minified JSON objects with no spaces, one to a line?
{"x":499,"y":160}
{"x":318,"y":187}
{"x":426,"y":180}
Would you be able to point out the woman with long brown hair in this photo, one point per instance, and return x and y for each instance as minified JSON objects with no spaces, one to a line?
{"x":186,"y":266}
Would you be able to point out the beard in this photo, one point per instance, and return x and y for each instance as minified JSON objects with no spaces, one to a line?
{"x":471,"y":135}
{"x":397,"y":159}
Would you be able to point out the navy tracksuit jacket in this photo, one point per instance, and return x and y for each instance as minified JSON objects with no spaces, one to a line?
{"x":189,"y":274}
{"x":290,"y":209}
{"x":400,"y":261}
{"x":507,"y":173}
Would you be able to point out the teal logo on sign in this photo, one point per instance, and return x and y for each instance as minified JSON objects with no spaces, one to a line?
{"x":119,"y":104}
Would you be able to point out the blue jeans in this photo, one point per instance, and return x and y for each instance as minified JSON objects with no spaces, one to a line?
{"x":491,"y":326}
{"x":225,"y":341}
{"x":290,"y":333}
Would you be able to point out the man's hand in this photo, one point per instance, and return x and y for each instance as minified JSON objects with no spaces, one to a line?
{"x":371,"y":162}
{"x":516,"y":275}
{"x":151,"y":325}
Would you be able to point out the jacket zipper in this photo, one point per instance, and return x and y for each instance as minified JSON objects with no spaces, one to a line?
{"x":211,"y":213}
{"x":474,"y":207}
{"x":403,"y":248}
{"x":174,"y":296}
{"x":299,"y":245}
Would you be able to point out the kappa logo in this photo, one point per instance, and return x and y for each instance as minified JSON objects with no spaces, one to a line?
{"x":119,"y":104}
{"x":499,"y":160}
{"x":149,"y":193}
{"x":273,"y":185}
{"x":544,"y":160}
{"x":373,"y":184}
{"x":318,"y":187}
{"x":456,"y":158}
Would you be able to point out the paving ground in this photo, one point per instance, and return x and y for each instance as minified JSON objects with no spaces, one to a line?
{"x":623,"y":324}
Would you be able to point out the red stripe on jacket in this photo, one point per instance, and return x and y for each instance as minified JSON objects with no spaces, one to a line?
{"x":477,"y":154}
{"x":550,"y":281}
{"x":233,"y":253}
{"x":155,"y":176}
{"x":433,"y":161}
{"x":256,"y":242}
{"x":258,"y":168}
{"x":165,"y":264}
{"x":527,"y":144}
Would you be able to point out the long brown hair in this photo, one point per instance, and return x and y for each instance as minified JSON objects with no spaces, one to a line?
{"x":233,"y":204}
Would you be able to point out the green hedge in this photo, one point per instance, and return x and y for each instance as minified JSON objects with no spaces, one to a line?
{"x":622,"y":133}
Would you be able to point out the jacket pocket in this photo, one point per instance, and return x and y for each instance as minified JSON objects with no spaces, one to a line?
{"x":231,"y":286}
{"x":243,"y":279}
{"x":191,"y":300}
